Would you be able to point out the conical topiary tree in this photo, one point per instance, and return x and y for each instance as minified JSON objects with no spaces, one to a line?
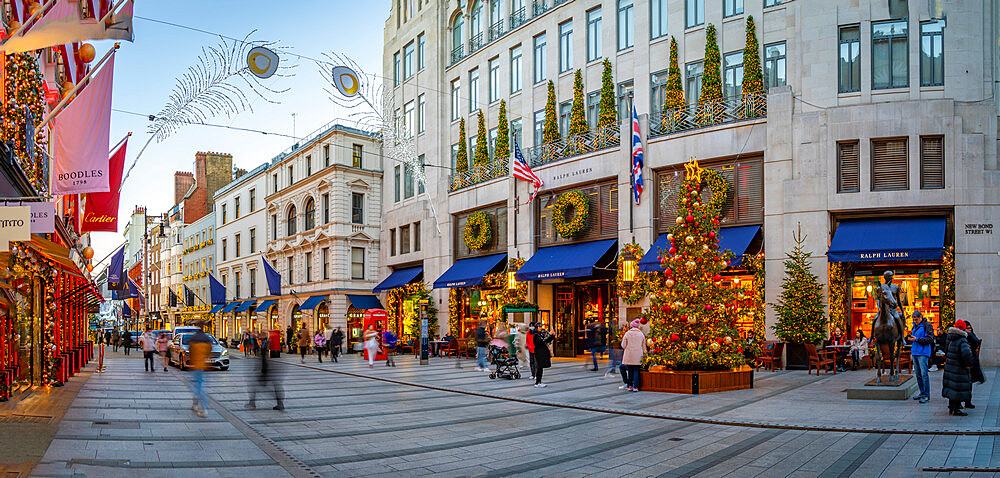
{"x":711,"y":80}
{"x":753,"y":78}
{"x":502,"y":149}
{"x":606,"y":113}
{"x":482,"y":154}
{"x":800,"y":308}
{"x":550,"y":131}
{"x":577,"y":115}
{"x":673,"y":101}
{"x":462,"y":161}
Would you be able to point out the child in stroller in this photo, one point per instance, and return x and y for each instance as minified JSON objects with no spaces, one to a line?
{"x":506,"y":364}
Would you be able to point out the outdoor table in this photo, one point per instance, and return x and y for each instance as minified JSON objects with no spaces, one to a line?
{"x":840,"y":352}
{"x":436,"y":346}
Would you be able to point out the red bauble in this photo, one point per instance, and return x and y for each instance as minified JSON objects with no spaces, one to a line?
{"x":711,"y":235}
{"x":690,"y":218}
{"x":674,"y":337}
{"x":667,"y":308}
{"x":716,"y":278}
{"x":644,"y":321}
{"x":708,"y":306}
{"x":718,"y":340}
{"x":672,"y":250}
{"x":667,"y":271}
{"x":715,"y":221}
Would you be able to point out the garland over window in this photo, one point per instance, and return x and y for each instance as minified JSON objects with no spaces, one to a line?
{"x":580,"y":212}
{"x":478,"y":231}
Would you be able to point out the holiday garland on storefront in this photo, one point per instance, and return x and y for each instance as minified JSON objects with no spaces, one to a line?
{"x":946,"y":307}
{"x":633,"y":292}
{"x":838,"y":288}
{"x":754,"y":264}
{"x":25,"y":92}
{"x":31,"y":266}
{"x":581,"y":210}
{"x":416,"y":291}
{"x":454,"y":310}
{"x":478,"y":231}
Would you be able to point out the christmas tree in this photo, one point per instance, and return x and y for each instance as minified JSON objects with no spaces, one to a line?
{"x":693,"y":318}
{"x":673,"y":101}
{"x":753,"y":79}
{"x":577,"y":115}
{"x":462,"y":159}
{"x":502,"y":149}
{"x":25,"y":92}
{"x":800,"y":308}
{"x":482,"y":154}
{"x":550,"y":131}
{"x":606,"y":113}
{"x":711,"y":80}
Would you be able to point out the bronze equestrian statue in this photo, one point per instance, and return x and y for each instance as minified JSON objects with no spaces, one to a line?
{"x":888,"y":327}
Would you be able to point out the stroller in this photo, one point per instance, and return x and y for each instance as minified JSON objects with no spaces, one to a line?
{"x":506,"y":363}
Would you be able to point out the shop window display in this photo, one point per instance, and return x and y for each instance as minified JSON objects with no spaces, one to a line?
{"x":920,"y":289}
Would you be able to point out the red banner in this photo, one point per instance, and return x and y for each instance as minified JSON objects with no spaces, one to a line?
{"x":101,"y":210}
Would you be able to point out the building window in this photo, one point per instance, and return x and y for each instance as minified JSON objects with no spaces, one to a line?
{"x":291,"y":221}
{"x":275,"y":182}
{"x":539,"y":58}
{"x":253,"y":283}
{"x":237,"y":284}
{"x":695,"y":12}
{"x":223,"y":213}
{"x":236,"y":246}
{"x":850,"y":59}
{"x":457,"y":37}
{"x":395,"y":69}
{"x":274,"y":226}
{"x":515,"y":131}
{"x":310,"y":218}
{"x":493,"y":133}
{"x":326,"y":208}
{"x":224,"y":252}
{"x":732,"y":7}
{"x":357,"y":208}
{"x":890,"y":171}
{"x":357,"y":263}
{"x":326,"y":155}
{"x":515,"y":69}
{"x":473,"y":89}
{"x":624,"y":88}
{"x":421,"y":113}
{"x":291,"y":269}
{"x":733,"y":74}
{"x":657,"y":18}
{"x":309,"y":165}
{"x":539,"y":127}
{"x":494,"y":66}
{"x":658,"y":91}
{"x":404,"y":239}
{"x":890,"y":58}
{"x":848,"y":167}
{"x":565,"y":46}
{"x":692,"y":81}
{"x":395,"y":189}
{"x":593,"y":106}
{"x":408,"y":119}
{"x":392,"y":242}
{"x":454,"y":157}
{"x":291,"y":175}
{"x":253,"y":241}
{"x":626,"y":25}
{"x":408,"y":190}
{"x":774,"y":64}
{"x":771,"y":3}
{"x":236,"y":207}
{"x":421,"y":56}
{"x":564,"y":111}
{"x":456,"y":90}
{"x":594,"y":34}
{"x":416,"y":237}
{"x":309,"y":267}
{"x":408,"y":60}
{"x":932,"y":162}
{"x":325,"y":257}
{"x":932,"y":53}
{"x":423,"y":169}
{"x":476,"y":27}
{"x":253,"y":200}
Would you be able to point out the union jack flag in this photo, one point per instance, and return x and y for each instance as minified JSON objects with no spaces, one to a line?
{"x":636,"y":158}
{"x":523,"y":171}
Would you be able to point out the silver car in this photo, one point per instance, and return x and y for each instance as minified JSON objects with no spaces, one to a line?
{"x":178,"y":354}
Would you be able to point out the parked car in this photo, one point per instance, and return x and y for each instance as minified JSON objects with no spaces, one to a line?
{"x":177,"y":352}
{"x":186,"y":329}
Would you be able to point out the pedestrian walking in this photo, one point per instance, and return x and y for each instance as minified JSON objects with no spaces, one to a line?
{"x":267,"y":377}
{"x":162,"y":342}
{"x":320,"y":341}
{"x":289,"y":334}
{"x":634,"y":346}
{"x":254,"y":343}
{"x":598,"y":341}
{"x":541,"y":339}
{"x":304,"y":341}
{"x":976,"y":371}
{"x":127,"y":341}
{"x":921,"y":337}
{"x":148,"y":349}
{"x":371,"y":345}
{"x":200,"y":349}
{"x":336,"y":339}
{"x":482,"y":336}
{"x":389,"y":343}
{"x":956,"y":383}
{"x":529,"y":344}
{"x":116,"y":338}
{"x":520,"y":345}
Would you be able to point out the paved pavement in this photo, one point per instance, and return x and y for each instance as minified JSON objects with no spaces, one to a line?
{"x":345,"y":419}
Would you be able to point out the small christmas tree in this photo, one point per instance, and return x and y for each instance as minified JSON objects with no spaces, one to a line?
{"x":577,"y":115}
{"x":502,"y":149}
{"x":550,"y":131}
{"x":25,"y":89}
{"x":711,"y":80}
{"x":607,"y":115}
{"x":673,"y":101}
{"x":800,"y":308}
{"x":692,"y":317}
{"x":482,"y":155}
{"x":753,"y":79}
{"x":462,"y":159}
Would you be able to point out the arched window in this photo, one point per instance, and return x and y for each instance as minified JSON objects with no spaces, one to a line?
{"x":477,"y":20}
{"x":310,"y":214}
{"x":291,"y":221}
{"x":457,"y":33}
{"x":496,"y":13}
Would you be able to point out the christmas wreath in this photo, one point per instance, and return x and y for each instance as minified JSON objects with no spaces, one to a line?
{"x":477,"y":231}
{"x":581,"y":209}
{"x":719,"y":187}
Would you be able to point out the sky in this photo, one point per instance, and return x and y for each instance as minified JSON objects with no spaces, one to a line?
{"x":147,"y":69}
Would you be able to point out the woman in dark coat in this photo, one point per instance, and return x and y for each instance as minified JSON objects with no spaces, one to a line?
{"x":957,"y":384}
{"x":542,"y":357}
{"x":976,"y":372}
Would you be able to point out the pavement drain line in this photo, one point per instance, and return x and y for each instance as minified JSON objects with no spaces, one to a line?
{"x":673,"y":416}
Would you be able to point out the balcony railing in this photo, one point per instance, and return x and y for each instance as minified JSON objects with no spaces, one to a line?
{"x":476,"y":42}
{"x":608,"y":137}
{"x":497,"y":168}
{"x":726,"y":110}
{"x":538,"y":8}
{"x":496,"y":30}
{"x":517,"y":18}
{"x":457,"y":54}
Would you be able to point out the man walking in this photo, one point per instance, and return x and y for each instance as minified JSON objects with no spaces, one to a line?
{"x":148,"y":349}
{"x":288,"y":339}
{"x":389,"y":342}
{"x":598,"y":341}
{"x":266,"y":375}
{"x":482,"y":341}
{"x":304,"y":340}
{"x":127,"y":341}
{"x":336,"y":339}
{"x":116,"y":338}
{"x":921,"y":338}
{"x":200,"y":348}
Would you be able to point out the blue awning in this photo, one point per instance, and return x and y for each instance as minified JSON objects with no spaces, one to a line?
{"x":263,"y":306}
{"x":312,"y":302}
{"x":217,"y":308}
{"x":399,"y":278}
{"x":364,"y":302}
{"x":466,"y":272}
{"x":570,"y":260}
{"x":908,"y":239}
{"x":734,"y":239}
{"x":244,"y":306}
{"x":230,"y":306}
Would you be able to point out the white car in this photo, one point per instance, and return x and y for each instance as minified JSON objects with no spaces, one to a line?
{"x":177,"y":352}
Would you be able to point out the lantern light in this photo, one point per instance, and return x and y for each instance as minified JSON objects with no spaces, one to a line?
{"x":511,"y":281}
{"x":869,"y":289}
{"x":628,"y":268}
{"x":924,"y":287}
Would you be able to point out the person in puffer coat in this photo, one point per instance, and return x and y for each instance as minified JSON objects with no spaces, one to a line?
{"x":958,"y":359}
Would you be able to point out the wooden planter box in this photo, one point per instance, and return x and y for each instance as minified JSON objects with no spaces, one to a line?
{"x":695,"y":382}
{"x":796,"y":357}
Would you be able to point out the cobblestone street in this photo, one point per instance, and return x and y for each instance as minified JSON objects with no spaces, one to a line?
{"x":345,"y":419}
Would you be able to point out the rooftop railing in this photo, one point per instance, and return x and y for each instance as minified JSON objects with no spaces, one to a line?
{"x":496,"y":168}
{"x":589,"y":142}
{"x":693,"y":116}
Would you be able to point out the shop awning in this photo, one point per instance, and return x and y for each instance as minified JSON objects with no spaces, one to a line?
{"x":399,"y":278}
{"x":265,"y":305}
{"x":364,"y":302}
{"x":312,"y":302}
{"x":650,"y":262}
{"x":570,"y":260}
{"x":734,"y":239}
{"x":55,"y":252}
{"x":217,"y":308}
{"x":230,"y":306}
{"x":906,"y":239}
{"x":244,"y":306}
{"x":466,"y":272}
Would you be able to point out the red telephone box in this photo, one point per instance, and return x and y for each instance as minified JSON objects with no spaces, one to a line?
{"x":379,"y":319}
{"x":274,"y":343}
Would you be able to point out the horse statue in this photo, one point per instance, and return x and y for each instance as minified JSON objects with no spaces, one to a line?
{"x":887,"y":328}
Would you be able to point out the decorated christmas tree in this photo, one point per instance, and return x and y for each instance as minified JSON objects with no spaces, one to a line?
{"x":800,"y":308}
{"x":577,"y":115}
{"x":462,"y":160}
{"x":673,"y":100}
{"x":753,"y":79}
{"x":482,"y":155}
{"x":692,"y":317}
{"x":711,"y":81}
{"x":25,"y":93}
{"x":550,"y":132}
{"x":502,"y":149}
{"x":606,"y":114}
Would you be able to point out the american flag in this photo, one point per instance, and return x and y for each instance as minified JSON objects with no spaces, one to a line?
{"x":522,"y":171}
{"x":636,"y":158}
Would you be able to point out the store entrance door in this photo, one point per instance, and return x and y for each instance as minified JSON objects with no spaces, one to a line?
{"x":564,"y":322}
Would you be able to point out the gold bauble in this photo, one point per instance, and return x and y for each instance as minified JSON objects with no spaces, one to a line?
{"x":696,"y":204}
{"x":90,"y":268}
{"x":86,"y":53}
{"x":690,"y":265}
{"x":67,"y":86}
{"x":689,"y":239}
{"x":691,"y":345}
{"x":669,"y":283}
{"x":88,"y":253}
{"x":679,"y":220}
{"x":649,"y":342}
{"x":33,"y":8}
{"x":13,"y":26}
{"x":727,"y":339}
{"x":714,"y":347}
{"x":670,"y":237}
{"x":704,"y":247}
{"x":678,"y":304}
{"x":692,"y":319}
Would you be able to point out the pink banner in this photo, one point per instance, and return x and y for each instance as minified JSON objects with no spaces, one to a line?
{"x":81,"y":131}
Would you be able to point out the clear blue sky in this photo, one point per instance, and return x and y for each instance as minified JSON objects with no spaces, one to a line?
{"x":146,"y":71}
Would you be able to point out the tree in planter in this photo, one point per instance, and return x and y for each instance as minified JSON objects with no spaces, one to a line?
{"x":482,"y":155}
{"x":502,"y":149}
{"x":606,"y":113}
{"x":550,"y":131}
{"x":577,"y":114}
{"x":800,"y":307}
{"x":753,"y":78}
{"x":462,"y":159}
{"x":673,"y":101}
{"x":709,"y":102}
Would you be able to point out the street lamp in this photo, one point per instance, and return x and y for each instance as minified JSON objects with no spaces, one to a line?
{"x":628,"y":268}
{"x":511,"y":281}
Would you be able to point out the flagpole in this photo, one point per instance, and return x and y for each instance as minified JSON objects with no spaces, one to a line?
{"x":27,"y":22}
{"x":80,"y":84}
{"x":111,"y":11}
{"x":631,"y":183}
